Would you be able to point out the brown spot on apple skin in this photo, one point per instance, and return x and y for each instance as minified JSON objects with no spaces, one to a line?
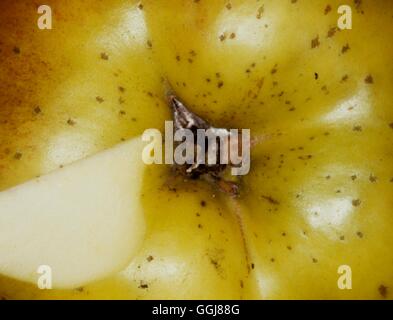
{"x":369,"y":79}
{"x":18,"y":156}
{"x":331,"y":32}
{"x":344,"y":78}
{"x":271,"y":200}
{"x":345,"y":48}
{"x":99,"y":99}
{"x":357,"y":128}
{"x":356,"y":202}
{"x":315,"y":42}
{"x":71,"y":122}
{"x":383,"y":291}
{"x":104,"y":56}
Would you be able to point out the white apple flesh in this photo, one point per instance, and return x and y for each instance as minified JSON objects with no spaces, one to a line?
{"x":84,"y":221}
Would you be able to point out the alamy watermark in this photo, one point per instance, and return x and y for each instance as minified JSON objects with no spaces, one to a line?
{"x":210,"y":147}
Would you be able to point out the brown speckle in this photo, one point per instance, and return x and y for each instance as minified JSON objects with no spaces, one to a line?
{"x":331,"y":32}
{"x":369,"y":79}
{"x":99,"y":99}
{"x":315,"y":42}
{"x":391,"y":125}
{"x":203,"y":203}
{"x":121,"y":89}
{"x":149,"y":44}
{"x":345,"y":48}
{"x":372,"y":178}
{"x":17,"y":156}
{"x":37,"y":110}
{"x":357,"y":128}
{"x":223,"y":37}
{"x":150,"y":258}
{"x":316,"y":76}
{"x":220,"y":84}
{"x":140,"y":6}
{"x":271,"y":200}
{"x":104,"y":56}
{"x":143,"y":285}
{"x":328,"y":9}
{"x":354,"y":177}
{"x":383,"y":291}
{"x":71,"y":122}
{"x":344,"y":78}
{"x":359,"y":234}
{"x":356,"y":202}
{"x":232,"y":35}
{"x":229,"y":6}
{"x":16,"y":50}
{"x":314,"y":260}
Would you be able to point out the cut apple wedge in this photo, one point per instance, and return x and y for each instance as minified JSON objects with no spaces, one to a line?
{"x":84,"y":221}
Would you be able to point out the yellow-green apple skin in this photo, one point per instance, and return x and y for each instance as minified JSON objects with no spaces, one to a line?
{"x":318,"y":101}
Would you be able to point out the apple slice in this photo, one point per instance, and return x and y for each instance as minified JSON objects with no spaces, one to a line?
{"x":84,"y":221}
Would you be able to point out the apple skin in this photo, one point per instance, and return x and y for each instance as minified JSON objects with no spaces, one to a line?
{"x":319,"y":194}
{"x":74,"y":90}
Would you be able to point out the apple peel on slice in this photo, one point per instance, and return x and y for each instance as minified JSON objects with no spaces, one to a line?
{"x":84,"y":221}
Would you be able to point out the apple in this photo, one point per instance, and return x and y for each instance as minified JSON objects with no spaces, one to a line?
{"x":318,"y":101}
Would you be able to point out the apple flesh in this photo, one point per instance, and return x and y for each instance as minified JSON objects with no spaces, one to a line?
{"x":84,"y":221}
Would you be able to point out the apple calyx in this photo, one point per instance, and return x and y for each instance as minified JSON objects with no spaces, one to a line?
{"x":213,"y":173}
